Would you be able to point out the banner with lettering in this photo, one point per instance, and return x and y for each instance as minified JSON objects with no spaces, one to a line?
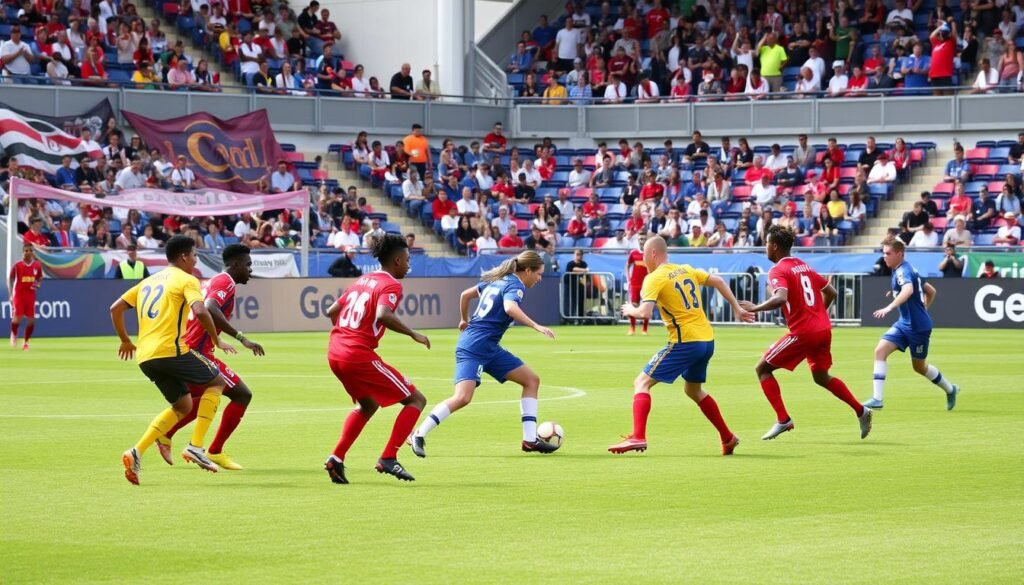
{"x":1007,"y":264}
{"x":87,"y":264}
{"x":234,"y":154}
{"x":200,"y":202}
{"x":41,"y":142}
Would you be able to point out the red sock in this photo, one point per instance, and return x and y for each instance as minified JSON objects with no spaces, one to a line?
{"x":645,"y":325}
{"x":404,"y":425}
{"x":14,"y":329}
{"x":28,"y":331}
{"x":641,"y":408}
{"x":354,"y":423}
{"x":839,"y":389}
{"x":770,"y":386}
{"x":632,"y":323}
{"x":191,"y":416}
{"x":228,"y":423}
{"x":710,"y":409}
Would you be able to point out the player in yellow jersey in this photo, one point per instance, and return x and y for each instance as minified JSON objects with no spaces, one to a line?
{"x":675,"y":290}
{"x":162,"y":302}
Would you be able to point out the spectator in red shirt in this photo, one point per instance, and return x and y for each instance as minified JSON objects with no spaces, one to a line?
{"x":495,"y":142}
{"x":92,"y":66}
{"x":940,"y":74}
{"x":858,"y":84}
{"x":753,"y":175}
{"x":441,"y":206}
{"x":327,"y":30}
{"x":511,"y":239}
{"x":503,"y":187}
{"x":623,"y":65}
{"x":656,"y":19}
{"x":635,"y":224}
{"x":577,"y":227}
{"x":830,"y":174}
{"x":593,"y":208}
{"x":834,"y":152}
{"x":959,"y":203}
{"x":35,"y":235}
{"x":545,"y":163}
{"x":651,"y":189}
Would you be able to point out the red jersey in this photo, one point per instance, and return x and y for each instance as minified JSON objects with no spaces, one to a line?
{"x":635,"y":261}
{"x":805,"y":310}
{"x":651,"y":191}
{"x":495,"y":141}
{"x":356,"y":330}
{"x":221,"y":289}
{"x":441,"y":208}
{"x":39,"y":239}
{"x":26,"y":276}
{"x":942,"y":59}
{"x":656,"y":19}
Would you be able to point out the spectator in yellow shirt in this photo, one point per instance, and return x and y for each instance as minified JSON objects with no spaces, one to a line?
{"x":144,"y":78}
{"x":836,"y":206}
{"x":773,"y":58}
{"x":555,"y":94}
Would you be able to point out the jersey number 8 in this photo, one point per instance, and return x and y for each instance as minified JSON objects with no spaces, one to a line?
{"x":805,"y":283}
{"x":354,"y":310}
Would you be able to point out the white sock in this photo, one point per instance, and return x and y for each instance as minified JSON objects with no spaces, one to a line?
{"x":528,"y":407}
{"x":937,"y":379}
{"x":435,"y":417}
{"x":881,"y":367}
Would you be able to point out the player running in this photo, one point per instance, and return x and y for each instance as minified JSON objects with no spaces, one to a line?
{"x":810,"y":331}
{"x":161,"y":302}
{"x":477,"y":351}
{"x":360,"y":316}
{"x":913,"y":329}
{"x":636,"y":272}
{"x":220,"y":302}
{"x":675,"y":290}
{"x":22,"y":283}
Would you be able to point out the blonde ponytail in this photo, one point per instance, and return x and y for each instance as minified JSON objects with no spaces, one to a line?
{"x":526,"y":260}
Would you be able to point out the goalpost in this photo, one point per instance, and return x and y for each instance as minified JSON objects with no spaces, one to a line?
{"x":200,"y":202}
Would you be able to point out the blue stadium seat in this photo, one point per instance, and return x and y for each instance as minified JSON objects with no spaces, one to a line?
{"x":999,"y":155}
{"x":560,"y":178}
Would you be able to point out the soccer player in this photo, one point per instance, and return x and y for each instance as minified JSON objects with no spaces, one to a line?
{"x":22,"y":283}
{"x":804,"y":297}
{"x":161,"y":303}
{"x":500,"y":291}
{"x":675,"y":290}
{"x":360,"y":316}
{"x":636,"y":271}
{"x":220,"y":302}
{"x":912,"y":330}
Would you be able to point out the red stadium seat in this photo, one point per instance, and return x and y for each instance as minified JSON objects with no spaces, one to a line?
{"x":976,"y":154}
{"x":583,"y":192}
{"x":533,"y":207}
{"x":319,"y":175}
{"x":943,"y":188}
{"x":995,"y":188}
{"x":523,"y":225}
{"x":848,"y":173}
{"x":799,"y":190}
{"x":985,"y":171}
{"x":590,"y":162}
{"x":807,"y":241}
{"x":294,"y":157}
{"x":600,"y":242}
{"x":939,"y":223}
{"x":740,"y":192}
{"x":844,"y":189}
{"x":916,"y":156}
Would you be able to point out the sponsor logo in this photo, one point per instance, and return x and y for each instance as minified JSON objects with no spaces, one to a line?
{"x":44,"y":310}
{"x":314,"y":304}
{"x":991,"y":307}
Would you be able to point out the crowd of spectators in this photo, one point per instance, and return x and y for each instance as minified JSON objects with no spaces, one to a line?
{"x":653,"y":50}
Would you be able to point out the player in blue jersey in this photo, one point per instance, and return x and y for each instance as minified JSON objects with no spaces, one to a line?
{"x":912,"y":330}
{"x":478,"y":350}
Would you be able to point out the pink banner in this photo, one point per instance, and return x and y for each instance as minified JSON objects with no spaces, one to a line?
{"x":191,"y":203}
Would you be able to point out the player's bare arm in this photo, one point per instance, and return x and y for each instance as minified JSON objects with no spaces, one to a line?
{"x":464,"y":299}
{"x":333,"y":311}
{"x":222,"y":322}
{"x":389,"y":319}
{"x":780,"y":296}
{"x":929,"y":295}
{"x":717,"y":283}
{"x":512,"y":310}
{"x":906,"y":291}
{"x":200,"y":313}
{"x":644,"y":311}
{"x":829,"y":295}
{"x":127,"y":349}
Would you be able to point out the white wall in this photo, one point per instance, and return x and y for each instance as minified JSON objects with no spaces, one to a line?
{"x":383,"y":34}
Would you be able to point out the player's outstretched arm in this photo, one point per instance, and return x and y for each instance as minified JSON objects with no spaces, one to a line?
{"x":644,"y":311}
{"x":512,"y":310}
{"x":906,"y":291}
{"x":779,"y":298}
{"x":200,"y":313}
{"x":464,"y":299}
{"x":716,"y":282}
{"x":224,"y":325}
{"x":929,"y":295}
{"x":127,"y":349}
{"x":333,"y":311}
{"x":390,"y":320}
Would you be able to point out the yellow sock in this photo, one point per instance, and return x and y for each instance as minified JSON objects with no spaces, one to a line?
{"x":158,"y":428}
{"x":204,"y":416}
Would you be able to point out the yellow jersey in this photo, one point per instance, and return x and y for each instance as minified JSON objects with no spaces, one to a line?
{"x":675,"y":290}
{"x":162,"y":303}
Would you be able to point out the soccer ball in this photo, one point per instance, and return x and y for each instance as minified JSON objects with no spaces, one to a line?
{"x":551,"y":433}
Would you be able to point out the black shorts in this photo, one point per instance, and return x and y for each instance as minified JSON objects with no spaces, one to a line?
{"x":170,"y":374}
{"x":942,"y":81}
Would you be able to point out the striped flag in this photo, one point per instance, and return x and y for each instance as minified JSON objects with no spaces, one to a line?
{"x":38,"y":144}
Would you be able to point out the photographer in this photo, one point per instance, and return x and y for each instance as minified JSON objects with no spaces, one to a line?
{"x":951,"y":266}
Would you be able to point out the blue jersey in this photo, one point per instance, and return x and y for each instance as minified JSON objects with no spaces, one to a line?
{"x":489,"y":321}
{"x":913,"y":314}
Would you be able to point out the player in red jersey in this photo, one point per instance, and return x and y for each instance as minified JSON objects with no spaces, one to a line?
{"x":219,"y":297}
{"x":636,"y":270}
{"x":22,"y":283}
{"x":360,"y":316}
{"x":804,"y":297}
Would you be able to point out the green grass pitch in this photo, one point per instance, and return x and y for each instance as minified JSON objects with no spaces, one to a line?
{"x":930,"y":497}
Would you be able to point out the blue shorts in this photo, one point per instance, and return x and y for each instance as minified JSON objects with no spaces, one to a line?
{"x":497,"y":362}
{"x":689,"y":360}
{"x":903,"y":337}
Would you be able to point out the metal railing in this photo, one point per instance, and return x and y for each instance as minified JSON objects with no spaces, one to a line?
{"x":590,"y":297}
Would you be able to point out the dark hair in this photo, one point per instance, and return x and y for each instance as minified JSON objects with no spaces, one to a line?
{"x":233,"y":252}
{"x":383,"y":248}
{"x":781,"y":236}
{"x":178,"y":246}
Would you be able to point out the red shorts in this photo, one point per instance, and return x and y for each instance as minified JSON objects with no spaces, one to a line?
{"x":369,"y":377}
{"x":226,"y":372}
{"x":24,"y":305}
{"x":634,"y":294}
{"x":792,"y":349}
